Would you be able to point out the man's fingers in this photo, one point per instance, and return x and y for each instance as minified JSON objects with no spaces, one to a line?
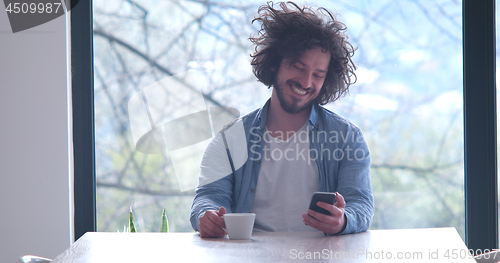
{"x":211,"y":224}
{"x":216,"y":218}
{"x":328,"y":207}
{"x":340,"y":201}
{"x":215,"y":227}
{"x":218,"y":222}
{"x":334,"y":211}
{"x":205,"y":232}
{"x":330,"y":224}
{"x":222,"y":211}
{"x":316,"y":215}
{"x":314,"y":222}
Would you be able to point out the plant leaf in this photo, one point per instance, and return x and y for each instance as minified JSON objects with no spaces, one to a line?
{"x":131,"y":223}
{"x":164,"y":222}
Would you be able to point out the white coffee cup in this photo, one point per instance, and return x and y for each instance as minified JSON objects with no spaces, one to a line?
{"x":239,"y":225}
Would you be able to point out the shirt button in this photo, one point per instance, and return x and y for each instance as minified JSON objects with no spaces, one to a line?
{"x":252,"y":190}
{"x":258,"y":161}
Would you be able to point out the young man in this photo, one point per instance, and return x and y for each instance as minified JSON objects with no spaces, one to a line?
{"x":291,"y":147}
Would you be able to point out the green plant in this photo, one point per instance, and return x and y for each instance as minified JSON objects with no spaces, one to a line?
{"x":131,"y":226}
{"x":164,"y":222}
{"x":163,"y":228}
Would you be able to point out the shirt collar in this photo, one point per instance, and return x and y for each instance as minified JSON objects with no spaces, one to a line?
{"x":262,"y":115}
{"x":313,"y":117}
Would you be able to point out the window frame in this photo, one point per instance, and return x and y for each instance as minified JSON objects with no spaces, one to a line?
{"x":82,"y":88}
{"x":480,"y":156}
{"x":480,"y":127}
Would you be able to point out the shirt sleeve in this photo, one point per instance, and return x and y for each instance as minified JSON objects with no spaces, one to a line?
{"x":354,"y":183}
{"x":215,"y":186}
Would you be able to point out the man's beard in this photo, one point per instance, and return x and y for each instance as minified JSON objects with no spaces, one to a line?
{"x":291,"y":107}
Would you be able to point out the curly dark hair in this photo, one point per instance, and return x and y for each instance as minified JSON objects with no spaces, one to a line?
{"x":288,"y":32}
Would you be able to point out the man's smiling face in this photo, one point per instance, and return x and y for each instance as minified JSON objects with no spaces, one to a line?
{"x":299,"y":83}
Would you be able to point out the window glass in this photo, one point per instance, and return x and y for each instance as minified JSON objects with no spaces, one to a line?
{"x":407,"y":100}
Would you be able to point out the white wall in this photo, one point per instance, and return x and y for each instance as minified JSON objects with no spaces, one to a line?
{"x":34,"y":185}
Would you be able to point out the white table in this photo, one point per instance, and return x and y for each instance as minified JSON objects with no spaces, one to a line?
{"x":402,"y":245}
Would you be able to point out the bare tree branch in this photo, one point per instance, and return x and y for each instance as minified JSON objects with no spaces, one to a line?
{"x":143,"y":190}
{"x":98,"y":32}
{"x":435,"y":23}
{"x":419,"y":170}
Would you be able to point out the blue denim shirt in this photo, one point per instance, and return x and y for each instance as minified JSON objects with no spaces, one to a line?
{"x":340,"y":151}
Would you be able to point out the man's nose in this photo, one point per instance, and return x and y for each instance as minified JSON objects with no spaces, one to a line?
{"x":307,"y":80}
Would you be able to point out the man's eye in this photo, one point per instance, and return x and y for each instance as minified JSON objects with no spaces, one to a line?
{"x":298,"y":68}
{"x":319,"y":77}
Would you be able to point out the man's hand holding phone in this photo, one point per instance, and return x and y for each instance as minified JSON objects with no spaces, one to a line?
{"x":330,"y":224}
{"x":212,"y":223}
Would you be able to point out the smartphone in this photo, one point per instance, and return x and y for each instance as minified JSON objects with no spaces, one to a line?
{"x":329,"y":198}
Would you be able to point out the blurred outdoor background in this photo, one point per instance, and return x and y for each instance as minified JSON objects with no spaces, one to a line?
{"x":407,"y":100}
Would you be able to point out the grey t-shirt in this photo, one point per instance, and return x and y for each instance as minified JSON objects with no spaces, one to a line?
{"x":288,"y":178}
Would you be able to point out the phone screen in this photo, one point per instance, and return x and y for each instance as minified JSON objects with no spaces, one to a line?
{"x":329,"y":198}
